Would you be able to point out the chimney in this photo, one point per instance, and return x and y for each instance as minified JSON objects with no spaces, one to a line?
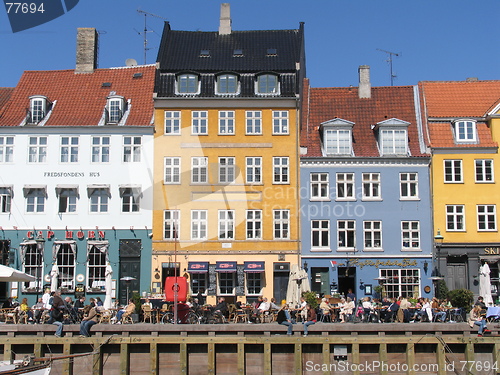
{"x":225,"y":19}
{"x":86,"y":50}
{"x":365,"y":87}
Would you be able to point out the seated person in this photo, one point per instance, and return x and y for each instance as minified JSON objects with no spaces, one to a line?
{"x":264,"y":307}
{"x":346,"y":310}
{"x":273,"y":305}
{"x":129,"y":310}
{"x":368,"y":309}
{"x":325,"y":308}
{"x":437,"y":311}
{"x":392,"y":311}
{"x":477,"y":318}
{"x":221,"y":307}
{"x":25,"y":309}
{"x":285,"y":319}
{"x":38,"y":309}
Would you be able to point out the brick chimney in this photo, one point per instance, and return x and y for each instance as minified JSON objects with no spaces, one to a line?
{"x":86,"y":50}
{"x":365,"y":87}
{"x":225,"y":19}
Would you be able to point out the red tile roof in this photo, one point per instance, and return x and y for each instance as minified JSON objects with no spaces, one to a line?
{"x":5,"y":93}
{"x":323,"y":104}
{"x":81,"y":98}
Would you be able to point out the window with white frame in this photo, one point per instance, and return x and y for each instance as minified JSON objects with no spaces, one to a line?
{"x":115,"y":109}
{"x":97,"y":255}
{"x":320,"y":234}
{"x":267,"y":84}
{"x":226,"y":224}
{"x":171,"y":222}
{"x":254,"y":169}
{"x":408,"y":186}
{"x":38,"y":109}
{"x":67,"y":200}
{"x":5,"y":199}
{"x":280,"y":122}
{"x":372,"y":233}
{"x":35,"y":200}
{"x":254,"y":283}
{"x":33,"y":261}
{"x":198,"y":283}
{"x":320,"y":186}
{"x":99,"y":200}
{"x":6,"y":149}
{"x":484,"y":170}
{"x":172,"y":122}
{"x":199,"y":124}
{"x":281,"y":224}
{"x":455,"y":217}
{"x":227,"y":170}
{"x":345,"y":186}
{"x":280,"y":168}
{"x":465,"y":131}
{"x":188,"y":84}
{"x":401,"y":282}
{"x":69,"y":149}
{"x":346,"y":234}
{"x":100,"y":149}
{"x":37,"y":150}
{"x":199,"y":224}
{"x":227,"y":84}
{"x":199,"y":170}
{"x":132,"y":147}
{"x":453,"y":171}
{"x":226,"y":122}
{"x":131,"y":197}
{"x":410,"y":235}
{"x":172,"y":170}
{"x":254,"y":224}
{"x":486,"y":217}
{"x":226,"y":283}
{"x":253,"y":122}
{"x":393,"y":142}
{"x":66,"y":264}
{"x":371,"y":186}
{"x":337,"y":141}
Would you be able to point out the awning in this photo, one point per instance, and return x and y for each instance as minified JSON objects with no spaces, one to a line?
{"x":198,"y":267}
{"x":61,"y":188}
{"x":490,"y":258}
{"x":7,"y":189}
{"x":92,"y":188}
{"x":254,"y":267}
{"x":225,"y":267}
{"x":135,"y":190}
{"x":27,"y":189}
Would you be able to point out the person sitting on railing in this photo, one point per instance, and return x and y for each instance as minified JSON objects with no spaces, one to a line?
{"x":478,"y":319}
{"x":285,"y":319}
{"x":90,"y":318}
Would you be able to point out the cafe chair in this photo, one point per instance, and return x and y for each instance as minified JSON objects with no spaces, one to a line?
{"x":147,"y":313}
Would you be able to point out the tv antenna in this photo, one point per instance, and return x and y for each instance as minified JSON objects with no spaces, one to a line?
{"x":145,"y":32}
{"x":389,"y":60}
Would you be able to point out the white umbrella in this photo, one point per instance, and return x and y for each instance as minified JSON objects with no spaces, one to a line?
{"x":54,"y":273}
{"x":485,"y":284}
{"x":297,"y":283}
{"x":108,"y":301}
{"x":8,"y":274}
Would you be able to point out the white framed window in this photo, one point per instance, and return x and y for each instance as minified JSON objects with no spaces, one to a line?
{"x":99,"y":200}
{"x":38,"y":109}
{"x":226,"y":283}
{"x":37,"y":150}
{"x":320,"y":186}
{"x":280,"y":122}
{"x":171,"y":224}
{"x":198,"y":282}
{"x":131,"y":199}
{"x":372,"y":234}
{"x":100,"y":149}
{"x":97,"y":256}
{"x":253,"y":121}
{"x":281,"y":170}
{"x":199,"y":224}
{"x":6,"y":149}
{"x":35,"y":200}
{"x":69,"y":149}
{"x":408,"y":186}
{"x":401,"y":282}
{"x":254,"y":283}
{"x":346,"y":234}
{"x":484,"y":171}
{"x":465,"y":131}
{"x":455,"y":217}
{"x":320,"y":234}
{"x":115,"y":109}
{"x":410,"y":235}
{"x":267,"y":84}
{"x":199,"y":124}
{"x":337,"y":142}
{"x":254,"y":169}
{"x":227,"y":170}
{"x":227,"y":84}
{"x":345,"y":186}
{"x":187,"y":84}
{"x":5,"y":199}
{"x":226,"y":122}
{"x":226,"y":224}
{"x":66,"y":264}
{"x":132,"y":147}
{"x":393,"y":142}
{"x":281,"y":224}
{"x":199,"y":170}
{"x":172,"y":122}
{"x":486,"y":217}
{"x":67,"y":200}
{"x":33,"y":261}
{"x":453,"y":171}
{"x":254,"y":224}
{"x":371,"y":186}
{"x":172,"y":165}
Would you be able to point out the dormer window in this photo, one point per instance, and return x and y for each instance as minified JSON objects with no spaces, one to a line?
{"x":337,"y":137}
{"x":115,"y":108}
{"x":188,"y":84}
{"x":465,"y":131}
{"x":39,"y":106}
{"x":227,"y":84}
{"x":393,"y":137}
{"x":268,"y":84}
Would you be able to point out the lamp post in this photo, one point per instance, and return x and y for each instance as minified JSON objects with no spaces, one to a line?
{"x":128,"y":280}
{"x":438,"y":241}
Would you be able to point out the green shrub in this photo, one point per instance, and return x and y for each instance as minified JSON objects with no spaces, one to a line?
{"x":311,"y":299}
{"x":461,"y":298}
{"x":442,"y":290}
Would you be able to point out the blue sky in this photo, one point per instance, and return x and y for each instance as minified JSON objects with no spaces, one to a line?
{"x":436,"y":40}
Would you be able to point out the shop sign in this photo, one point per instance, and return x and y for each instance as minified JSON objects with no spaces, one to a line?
{"x":91,"y":234}
{"x":492,"y":251}
{"x":378,"y":263}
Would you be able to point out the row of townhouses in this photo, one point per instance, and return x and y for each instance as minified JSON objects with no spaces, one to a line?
{"x":221,"y":164}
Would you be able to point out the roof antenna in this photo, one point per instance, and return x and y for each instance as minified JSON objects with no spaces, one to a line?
{"x":145,"y":31}
{"x":389,"y":60}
